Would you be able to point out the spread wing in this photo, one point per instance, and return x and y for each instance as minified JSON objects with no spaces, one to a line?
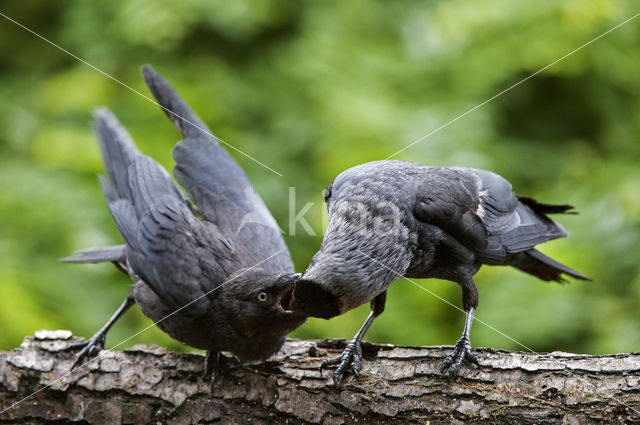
{"x":218,"y":186}
{"x":180,"y":257}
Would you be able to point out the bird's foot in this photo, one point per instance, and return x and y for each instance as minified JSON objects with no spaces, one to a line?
{"x":350,"y":358}
{"x":460,"y":354}
{"x":90,"y":348}
{"x":212,"y":365}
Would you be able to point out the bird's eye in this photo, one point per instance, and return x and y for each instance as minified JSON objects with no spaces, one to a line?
{"x":262,"y":296}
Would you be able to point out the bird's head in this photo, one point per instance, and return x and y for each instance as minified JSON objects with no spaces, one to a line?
{"x":258,"y":294}
{"x":259,"y":305}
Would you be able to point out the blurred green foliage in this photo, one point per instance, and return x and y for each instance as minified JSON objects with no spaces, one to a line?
{"x":310,"y":89}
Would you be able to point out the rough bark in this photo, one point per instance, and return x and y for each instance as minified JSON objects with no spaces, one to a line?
{"x":148,"y":384}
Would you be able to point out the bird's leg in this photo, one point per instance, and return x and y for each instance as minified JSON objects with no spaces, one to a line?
{"x":93,"y":345}
{"x":351,"y":357}
{"x":462,"y":350}
{"x":212,"y":365}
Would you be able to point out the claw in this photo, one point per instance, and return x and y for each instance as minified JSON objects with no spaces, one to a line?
{"x":350,"y":358}
{"x":461,"y":353}
{"x":90,"y":348}
{"x":331,"y":362}
{"x":336,"y":378}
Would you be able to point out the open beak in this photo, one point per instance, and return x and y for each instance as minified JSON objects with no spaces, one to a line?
{"x":284,"y":305}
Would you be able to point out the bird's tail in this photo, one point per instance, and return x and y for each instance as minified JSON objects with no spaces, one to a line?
{"x":543,"y":208}
{"x":536,"y":263}
{"x":97,"y":255}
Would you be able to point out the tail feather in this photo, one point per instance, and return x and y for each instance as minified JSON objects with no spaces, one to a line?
{"x":97,"y":255}
{"x":536,"y":263}
{"x":543,"y":208}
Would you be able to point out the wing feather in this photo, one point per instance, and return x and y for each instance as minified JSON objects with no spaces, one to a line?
{"x":167,"y":232}
{"x":446,"y":199}
{"x":512,"y":226}
{"x":217,"y":185}
{"x":479,"y":209}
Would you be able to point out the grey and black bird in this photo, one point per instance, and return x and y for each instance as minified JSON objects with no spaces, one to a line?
{"x":389,"y":219}
{"x":211,"y":270}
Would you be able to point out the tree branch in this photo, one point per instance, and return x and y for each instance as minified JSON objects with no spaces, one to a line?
{"x":148,"y":384}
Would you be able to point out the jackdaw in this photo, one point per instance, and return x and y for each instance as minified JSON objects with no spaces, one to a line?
{"x":215,"y":274}
{"x":389,"y":219}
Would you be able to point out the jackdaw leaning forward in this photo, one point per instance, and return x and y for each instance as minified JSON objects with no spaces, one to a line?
{"x":215,"y":274}
{"x":389,"y":219}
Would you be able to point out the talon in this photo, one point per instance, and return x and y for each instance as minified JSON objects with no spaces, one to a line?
{"x":453,"y":370}
{"x":90,"y":348}
{"x":331,"y":362}
{"x":461,"y":353}
{"x":349,"y":359}
{"x":336,"y":379}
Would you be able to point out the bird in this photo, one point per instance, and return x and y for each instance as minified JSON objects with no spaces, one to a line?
{"x":391,"y":218}
{"x":202,"y":273}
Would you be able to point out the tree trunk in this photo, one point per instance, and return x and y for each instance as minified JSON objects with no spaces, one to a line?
{"x":148,"y":384}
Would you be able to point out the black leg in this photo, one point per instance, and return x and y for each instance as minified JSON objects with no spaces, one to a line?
{"x":93,"y":346}
{"x":462,"y":350}
{"x":351,"y":357}
{"x":212,"y":365}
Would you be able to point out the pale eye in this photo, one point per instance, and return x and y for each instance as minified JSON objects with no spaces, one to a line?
{"x":262,"y":296}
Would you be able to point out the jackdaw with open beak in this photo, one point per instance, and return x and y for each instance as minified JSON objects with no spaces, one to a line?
{"x":389,"y":219}
{"x":215,"y":273}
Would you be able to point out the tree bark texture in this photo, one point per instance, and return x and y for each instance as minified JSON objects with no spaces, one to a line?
{"x":148,"y":384}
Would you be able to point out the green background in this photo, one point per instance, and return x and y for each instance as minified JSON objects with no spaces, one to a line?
{"x":310,"y":89}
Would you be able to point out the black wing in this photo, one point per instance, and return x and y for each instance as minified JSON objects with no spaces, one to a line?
{"x":480,"y":211}
{"x":175,"y":253}
{"x":448,"y":199}
{"x":183,"y":258}
{"x":218,"y":186}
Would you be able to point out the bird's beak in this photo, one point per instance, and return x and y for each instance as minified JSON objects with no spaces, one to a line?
{"x":294,"y":306}
{"x":286,"y":297}
{"x":284,"y":306}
